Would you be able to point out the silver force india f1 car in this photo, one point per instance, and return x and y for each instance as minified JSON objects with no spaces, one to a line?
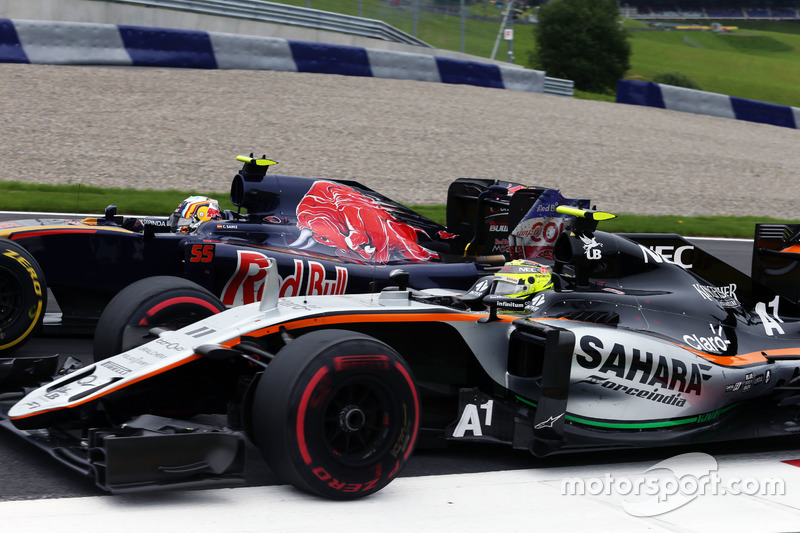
{"x":617,"y":342}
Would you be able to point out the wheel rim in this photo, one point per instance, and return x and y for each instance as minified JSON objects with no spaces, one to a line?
{"x":10,"y":297}
{"x":357,"y":421}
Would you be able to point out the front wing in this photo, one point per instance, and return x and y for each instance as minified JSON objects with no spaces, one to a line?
{"x":145,"y":454}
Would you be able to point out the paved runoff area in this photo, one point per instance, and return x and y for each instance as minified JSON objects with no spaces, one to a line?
{"x":687,"y":492}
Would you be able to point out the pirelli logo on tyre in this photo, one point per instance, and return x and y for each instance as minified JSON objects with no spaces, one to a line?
{"x":23,"y":298}
{"x":37,"y":287}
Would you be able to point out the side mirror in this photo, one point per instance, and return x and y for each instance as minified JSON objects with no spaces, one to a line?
{"x":399,"y":276}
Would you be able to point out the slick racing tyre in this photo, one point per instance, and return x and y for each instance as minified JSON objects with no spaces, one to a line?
{"x":336,"y":414}
{"x":23,"y":295}
{"x":160,"y":301}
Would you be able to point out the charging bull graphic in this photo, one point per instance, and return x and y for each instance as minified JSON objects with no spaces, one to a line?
{"x":358,"y":226}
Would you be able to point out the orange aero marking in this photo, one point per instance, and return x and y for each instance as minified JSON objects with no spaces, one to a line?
{"x":741,"y":359}
{"x":56,"y":230}
{"x":752,"y":357}
{"x":372,"y":318}
{"x":109,"y":390}
{"x":43,"y":232}
{"x":319,"y":321}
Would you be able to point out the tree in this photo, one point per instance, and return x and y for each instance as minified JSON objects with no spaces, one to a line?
{"x":583,"y":41}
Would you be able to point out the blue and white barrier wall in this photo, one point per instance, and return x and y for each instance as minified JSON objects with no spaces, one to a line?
{"x":719,"y":105}
{"x":72,"y":43}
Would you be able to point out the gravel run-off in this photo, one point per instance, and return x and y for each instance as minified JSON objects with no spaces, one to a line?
{"x":181,"y":129}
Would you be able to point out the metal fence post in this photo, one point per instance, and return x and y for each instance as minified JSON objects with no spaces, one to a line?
{"x":511,"y":40}
{"x":502,"y":27}
{"x":414,"y":16}
{"x":463,"y":14}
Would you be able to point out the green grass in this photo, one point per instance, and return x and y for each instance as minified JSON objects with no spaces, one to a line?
{"x":16,"y":196}
{"x":440,"y":30}
{"x":775,"y":26}
{"x":583,"y":95}
{"x":703,"y":226}
{"x":760,"y":61}
{"x":759,"y":65}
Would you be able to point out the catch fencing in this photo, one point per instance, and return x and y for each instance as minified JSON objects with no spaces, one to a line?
{"x":474,"y":30}
{"x":477,"y":30}
{"x":248,"y":17}
{"x":289,"y":15}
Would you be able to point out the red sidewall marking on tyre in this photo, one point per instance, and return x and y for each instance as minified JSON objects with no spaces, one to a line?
{"x":416,"y":407}
{"x":394,"y":471}
{"x":375,"y":362}
{"x":175,"y":301}
{"x":301,"y":414}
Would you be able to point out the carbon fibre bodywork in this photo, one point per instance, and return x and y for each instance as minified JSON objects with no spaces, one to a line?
{"x":326,"y":236}
{"x":632,"y":348}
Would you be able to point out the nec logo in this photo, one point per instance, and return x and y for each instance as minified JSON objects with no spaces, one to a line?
{"x":680,"y":255}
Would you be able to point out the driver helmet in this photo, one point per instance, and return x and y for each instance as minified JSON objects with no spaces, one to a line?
{"x":192,"y":211}
{"x":522,"y":278}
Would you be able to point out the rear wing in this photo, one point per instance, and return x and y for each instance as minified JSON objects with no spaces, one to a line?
{"x":776,"y":258}
{"x":503,"y":217}
{"x":480,"y":209}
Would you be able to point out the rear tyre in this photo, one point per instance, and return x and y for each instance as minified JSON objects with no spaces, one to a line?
{"x":159,"y":301}
{"x":23,"y":296}
{"x":336,"y":414}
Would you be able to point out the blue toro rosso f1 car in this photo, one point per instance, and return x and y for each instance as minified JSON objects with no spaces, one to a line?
{"x":607,"y":341}
{"x":327,"y":237}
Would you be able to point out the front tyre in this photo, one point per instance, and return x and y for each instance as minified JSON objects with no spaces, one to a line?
{"x":23,"y":295}
{"x":160,"y":301}
{"x":336,"y":414}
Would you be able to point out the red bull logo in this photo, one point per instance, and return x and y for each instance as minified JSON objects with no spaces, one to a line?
{"x":246,"y":285}
{"x":357,"y":226}
{"x":497,"y":227}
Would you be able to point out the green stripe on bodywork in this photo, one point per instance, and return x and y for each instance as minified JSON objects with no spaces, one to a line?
{"x":523,"y":400}
{"x":641,"y":425}
{"x":631,"y":425}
